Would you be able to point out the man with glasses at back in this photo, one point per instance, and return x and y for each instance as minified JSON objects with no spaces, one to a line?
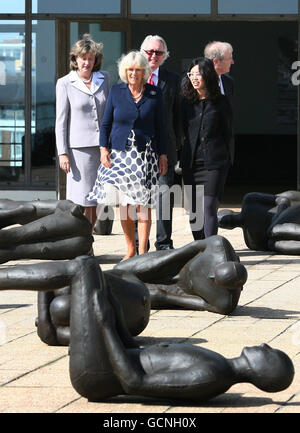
{"x":221,"y":53}
{"x":154,"y":48}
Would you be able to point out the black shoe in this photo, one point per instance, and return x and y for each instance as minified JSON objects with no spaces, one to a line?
{"x":166,"y":247}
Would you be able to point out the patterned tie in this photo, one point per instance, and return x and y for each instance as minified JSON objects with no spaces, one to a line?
{"x":221,"y":86}
{"x":150,"y":81}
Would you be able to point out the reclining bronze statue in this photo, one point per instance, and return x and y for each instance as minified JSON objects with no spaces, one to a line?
{"x":105,"y":360}
{"x":202,"y":275}
{"x":50,"y":230}
{"x":269,"y":223}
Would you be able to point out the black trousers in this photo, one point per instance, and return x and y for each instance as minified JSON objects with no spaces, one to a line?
{"x":164,"y":211}
{"x":206,"y":186}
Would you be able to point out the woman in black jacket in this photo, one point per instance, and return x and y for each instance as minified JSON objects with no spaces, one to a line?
{"x":205,"y":158}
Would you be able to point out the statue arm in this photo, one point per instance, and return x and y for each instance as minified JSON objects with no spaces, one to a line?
{"x":37,"y":277}
{"x":162,"y":298}
{"x":129,"y":373}
{"x":162,"y":265}
{"x":123,"y":331}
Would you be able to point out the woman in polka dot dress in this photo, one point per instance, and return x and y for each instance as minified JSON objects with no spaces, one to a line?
{"x":133,"y":150}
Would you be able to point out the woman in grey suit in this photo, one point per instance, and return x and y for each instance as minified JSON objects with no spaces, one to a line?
{"x":80,"y":101}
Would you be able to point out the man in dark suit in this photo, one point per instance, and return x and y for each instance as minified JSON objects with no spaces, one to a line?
{"x":154,"y":48}
{"x":221,"y":53}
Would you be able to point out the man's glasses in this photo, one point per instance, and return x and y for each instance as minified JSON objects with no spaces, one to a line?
{"x":193,"y":74}
{"x":156,"y":52}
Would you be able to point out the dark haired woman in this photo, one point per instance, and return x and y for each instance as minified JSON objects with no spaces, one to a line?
{"x":80,"y":101}
{"x":205,"y":155}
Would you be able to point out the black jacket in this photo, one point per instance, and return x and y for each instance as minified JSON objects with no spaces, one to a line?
{"x":227,"y":82}
{"x":169,"y":84}
{"x":212,"y":122}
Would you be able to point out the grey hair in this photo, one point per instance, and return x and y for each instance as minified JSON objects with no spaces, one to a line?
{"x":217,"y":50}
{"x":157,"y":38}
{"x":133,"y":58}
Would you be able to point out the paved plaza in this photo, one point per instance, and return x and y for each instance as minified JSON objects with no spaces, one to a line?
{"x":34,"y":377}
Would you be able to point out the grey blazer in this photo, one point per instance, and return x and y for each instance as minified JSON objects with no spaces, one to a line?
{"x":79,"y":110}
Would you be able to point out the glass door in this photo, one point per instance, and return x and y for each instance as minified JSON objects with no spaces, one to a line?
{"x":12,"y":101}
{"x":113,"y":42}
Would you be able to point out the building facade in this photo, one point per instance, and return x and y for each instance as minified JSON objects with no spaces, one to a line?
{"x":35,"y":40}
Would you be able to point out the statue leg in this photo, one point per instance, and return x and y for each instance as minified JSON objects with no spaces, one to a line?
{"x":20,"y":214}
{"x":57,"y":250}
{"x":285,"y":238}
{"x":45,"y":328}
{"x":286,"y":231}
{"x":59,"y":225}
{"x":285,"y":247}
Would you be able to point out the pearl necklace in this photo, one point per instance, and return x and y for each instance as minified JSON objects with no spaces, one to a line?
{"x":87,"y":81}
{"x":139,"y":95}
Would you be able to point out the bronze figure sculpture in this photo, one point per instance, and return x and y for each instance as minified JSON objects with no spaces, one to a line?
{"x":48,"y":230}
{"x":105,"y":361}
{"x":203,"y":275}
{"x":269,"y":223}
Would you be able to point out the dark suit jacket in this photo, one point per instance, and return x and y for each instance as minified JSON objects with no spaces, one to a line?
{"x":169,"y":83}
{"x":211,"y":122}
{"x":122,"y":115}
{"x":227,"y":82}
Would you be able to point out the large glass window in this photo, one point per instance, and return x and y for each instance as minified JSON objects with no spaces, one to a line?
{"x":258,"y":7}
{"x":12,"y":7}
{"x":12,"y":106}
{"x":77,"y":6}
{"x":43,"y":103}
{"x":170,"y":7}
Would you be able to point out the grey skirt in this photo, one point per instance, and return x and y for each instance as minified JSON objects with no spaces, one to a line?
{"x":84,"y":162}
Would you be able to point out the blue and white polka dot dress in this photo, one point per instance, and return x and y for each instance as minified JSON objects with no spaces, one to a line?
{"x":131,"y":179}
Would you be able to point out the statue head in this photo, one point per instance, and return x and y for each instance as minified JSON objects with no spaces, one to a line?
{"x":230,"y":274}
{"x":228,"y":219}
{"x":271,"y":370}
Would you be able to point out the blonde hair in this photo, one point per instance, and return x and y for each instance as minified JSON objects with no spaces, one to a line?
{"x":84,"y":46}
{"x":133,"y":58}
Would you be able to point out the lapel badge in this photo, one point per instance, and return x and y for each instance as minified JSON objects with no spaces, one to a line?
{"x":152,"y":92}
